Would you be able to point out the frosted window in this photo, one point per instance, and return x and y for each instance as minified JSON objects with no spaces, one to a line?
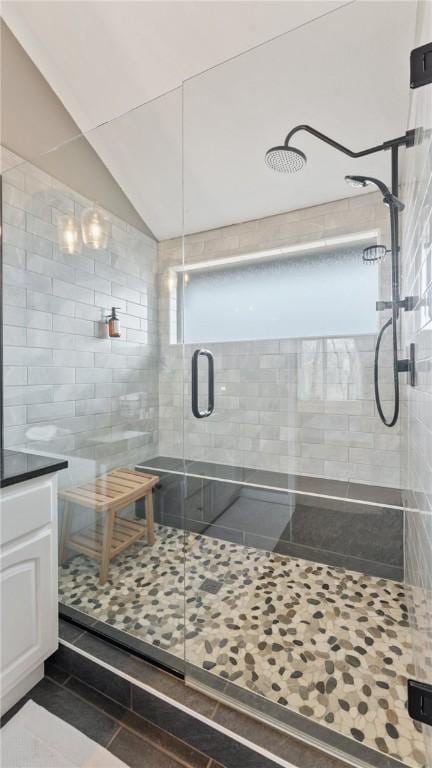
{"x":328,"y":293}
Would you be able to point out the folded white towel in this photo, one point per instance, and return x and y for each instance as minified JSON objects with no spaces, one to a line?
{"x":34,"y":738}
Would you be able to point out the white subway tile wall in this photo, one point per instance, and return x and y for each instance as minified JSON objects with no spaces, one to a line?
{"x":67,"y":388}
{"x":290,"y":405}
{"x":417,"y":281}
{"x":286,"y":405}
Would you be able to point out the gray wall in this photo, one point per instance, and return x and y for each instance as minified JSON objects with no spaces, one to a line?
{"x":417,"y":281}
{"x":66,"y":388}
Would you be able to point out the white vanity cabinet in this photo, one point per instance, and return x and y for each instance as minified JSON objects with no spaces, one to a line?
{"x":28,"y":583}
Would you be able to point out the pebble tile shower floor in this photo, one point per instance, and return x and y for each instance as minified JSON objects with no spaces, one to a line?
{"x":331,"y":644}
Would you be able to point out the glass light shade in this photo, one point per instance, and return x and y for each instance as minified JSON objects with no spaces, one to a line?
{"x":96,"y":228}
{"x":69,"y":234}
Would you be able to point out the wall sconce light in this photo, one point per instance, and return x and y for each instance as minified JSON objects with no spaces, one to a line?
{"x":96,"y":228}
{"x":69,"y":234}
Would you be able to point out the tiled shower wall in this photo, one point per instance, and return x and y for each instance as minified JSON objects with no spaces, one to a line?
{"x":297,"y":405}
{"x":67,"y":388}
{"x":417,"y":281}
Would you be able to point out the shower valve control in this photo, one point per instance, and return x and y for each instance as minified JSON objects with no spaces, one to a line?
{"x":407,"y":365}
{"x":421,"y":66}
{"x":408,"y":304}
{"x":420,"y":701}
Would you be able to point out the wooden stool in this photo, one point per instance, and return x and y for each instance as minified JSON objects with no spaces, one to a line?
{"x":108,"y":494}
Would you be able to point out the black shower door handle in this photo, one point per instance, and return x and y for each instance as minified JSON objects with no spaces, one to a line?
{"x":195,"y":388}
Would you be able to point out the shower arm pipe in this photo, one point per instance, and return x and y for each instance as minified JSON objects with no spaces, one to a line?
{"x":406,"y":140}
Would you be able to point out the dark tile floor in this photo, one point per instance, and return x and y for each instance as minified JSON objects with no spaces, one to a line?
{"x":132,"y":739}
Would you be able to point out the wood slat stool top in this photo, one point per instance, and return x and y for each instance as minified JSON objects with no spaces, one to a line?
{"x":108,"y":494}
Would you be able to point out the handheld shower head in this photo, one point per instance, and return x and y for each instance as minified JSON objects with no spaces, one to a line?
{"x":285,"y":159}
{"x":364,"y":181}
{"x":356,"y":181}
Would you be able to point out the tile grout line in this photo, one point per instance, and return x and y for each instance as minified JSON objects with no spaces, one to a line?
{"x":115,"y":734}
{"x":164,"y":751}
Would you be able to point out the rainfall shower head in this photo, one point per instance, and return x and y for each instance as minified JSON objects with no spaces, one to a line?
{"x":364,"y":181}
{"x":285,"y":159}
{"x":288,"y":159}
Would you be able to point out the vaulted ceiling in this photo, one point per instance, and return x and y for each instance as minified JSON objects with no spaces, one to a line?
{"x":342,"y":67}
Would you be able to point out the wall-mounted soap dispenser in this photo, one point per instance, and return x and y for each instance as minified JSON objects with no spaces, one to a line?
{"x":113,"y":323}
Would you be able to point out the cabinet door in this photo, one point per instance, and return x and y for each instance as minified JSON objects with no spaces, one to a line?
{"x":28,"y":612}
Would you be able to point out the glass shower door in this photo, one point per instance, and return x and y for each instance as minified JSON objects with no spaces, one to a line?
{"x":240,"y":415}
{"x":295,"y":602}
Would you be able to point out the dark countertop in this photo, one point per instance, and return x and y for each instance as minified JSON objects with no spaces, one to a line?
{"x":16,"y":467}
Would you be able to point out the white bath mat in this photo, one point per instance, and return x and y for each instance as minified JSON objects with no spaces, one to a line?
{"x":34,"y":738}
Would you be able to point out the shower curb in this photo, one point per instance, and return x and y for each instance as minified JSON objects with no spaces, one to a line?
{"x":194,"y":728}
{"x":180,"y":721}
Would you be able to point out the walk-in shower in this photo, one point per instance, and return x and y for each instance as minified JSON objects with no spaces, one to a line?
{"x":275,"y":579}
{"x":288,"y":159}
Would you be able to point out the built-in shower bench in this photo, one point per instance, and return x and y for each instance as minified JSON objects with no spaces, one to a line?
{"x":110,"y":535}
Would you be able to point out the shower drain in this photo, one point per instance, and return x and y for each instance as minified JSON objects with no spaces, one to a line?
{"x":211,"y":585}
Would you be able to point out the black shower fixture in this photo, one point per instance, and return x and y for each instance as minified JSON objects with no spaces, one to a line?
{"x":373,"y":253}
{"x":288,"y":159}
{"x":364,"y":181}
{"x":399,"y":366}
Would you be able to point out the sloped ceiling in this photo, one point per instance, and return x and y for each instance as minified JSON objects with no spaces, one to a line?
{"x":105,"y":58}
{"x":33,"y":120}
{"x":345,"y":72}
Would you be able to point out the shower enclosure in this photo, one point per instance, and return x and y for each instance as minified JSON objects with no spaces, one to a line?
{"x":242,"y":386}
{"x":294,"y":560}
